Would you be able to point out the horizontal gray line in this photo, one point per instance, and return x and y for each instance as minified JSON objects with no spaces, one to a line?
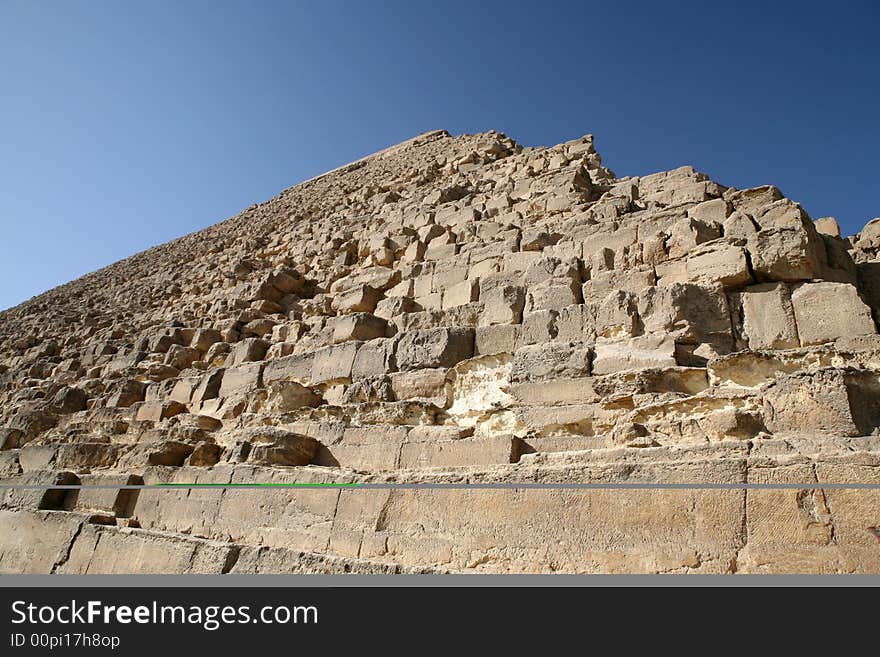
{"x":459,"y":486}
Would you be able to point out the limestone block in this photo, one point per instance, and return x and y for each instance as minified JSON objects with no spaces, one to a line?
{"x":287,"y":396}
{"x":617,"y":316}
{"x":601,"y":284}
{"x":786,"y":214}
{"x":334,"y":364}
{"x":114,"y":501}
{"x":208,"y":387}
{"x":391,"y":308}
{"x":484,"y":268}
{"x":713,"y":211}
{"x":828,"y":311}
{"x":576,"y":323}
{"x":504,"y":299}
{"x":786,"y":254}
{"x":39,"y":498}
{"x":550,"y":361}
{"x":739,"y":224}
{"x":241,"y":378}
{"x":496,"y":339}
{"x":461,"y":293}
{"x":290,"y":449}
{"x":433,"y":301}
{"x":375,"y":358}
{"x":156,"y":411}
{"x":135,"y":551}
{"x":358,"y":326}
{"x":127,"y":393}
{"x":538,"y":327}
{"x":467,"y":452}
{"x":450,"y":272}
{"x":10,"y":438}
{"x":754,"y":199}
{"x":442,"y":347}
{"x":359,"y":299}
{"x":824,"y":400}
{"x":247,"y":351}
{"x":683,"y":380}
{"x":35,"y":541}
{"x":720,"y":261}
{"x":70,"y":400}
{"x":168,"y":452}
{"x":520,"y":262}
{"x":688,"y":233}
{"x":428,"y":385}
{"x":440,"y":248}
{"x":549,"y":392}
{"x":295,"y":367}
{"x":827,"y":226}
{"x":689,"y":312}
{"x":639,"y":352}
{"x":552,"y":296}
{"x":768,"y":317}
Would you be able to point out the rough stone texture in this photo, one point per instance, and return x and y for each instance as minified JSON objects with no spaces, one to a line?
{"x":828,"y":311}
{"x":457,"y":309}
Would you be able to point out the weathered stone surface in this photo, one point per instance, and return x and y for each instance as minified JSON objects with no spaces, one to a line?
{"x":723,"y":262}
{"x":768,"y":320}
{"x":786,"y":254}
{"x":828,"y":311}
{"x":295,"y":367}
{"x":825,"y":400}
{"x":442,"y":347}
{"x":635,"y":353}
{"x":550,"y":361}
{"x":358,"y":326}
{"x":457,"y":310}
{"x":287,"y":396}
{"x":241,"y":378}
{"x":428,"y":385}
{"x":334,"y":363}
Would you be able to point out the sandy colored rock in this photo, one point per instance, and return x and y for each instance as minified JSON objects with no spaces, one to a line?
{"x":457,"y":310}
{"x":828,"y":311}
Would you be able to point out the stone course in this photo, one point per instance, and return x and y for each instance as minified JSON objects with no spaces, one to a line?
{"x":448,"y":310}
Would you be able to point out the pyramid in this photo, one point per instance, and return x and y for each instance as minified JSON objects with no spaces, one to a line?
{"x":457,"y":355}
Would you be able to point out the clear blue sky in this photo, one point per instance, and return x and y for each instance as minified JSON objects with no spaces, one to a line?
{"x":124,"y":125}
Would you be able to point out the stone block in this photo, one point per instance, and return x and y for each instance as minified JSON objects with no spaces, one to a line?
{"x":334,"y":364}
{"x":427,"y":385}
{"x":241,"y":378}
{"x":550,"y":361}
{"x":359,"y":299}
{"x":358,"y":326}
{"x":635,"y":353}
{"x":496,"y":339}
{"x":247,"y":351}
{"x":825,"y":312}
{"x":374,"y":359}
{"x":295,"y":367}
{"x":503,"y":298}
{"x":459,"y":453}
{"x":156,"y":411}
{"x":786,"y":254}
{"x":442,"y":347}
{"x":721,"y":261}
{"x":768,"y":317}
{"x":461,"y":293}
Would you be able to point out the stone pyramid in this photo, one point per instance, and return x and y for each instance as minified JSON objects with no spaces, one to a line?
{"x":484,"y":326}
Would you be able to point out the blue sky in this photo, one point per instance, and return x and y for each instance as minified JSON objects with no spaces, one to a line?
{"x":124,"y":125}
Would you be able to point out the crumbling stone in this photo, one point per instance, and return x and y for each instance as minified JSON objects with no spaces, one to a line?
{"x":457,"y":310}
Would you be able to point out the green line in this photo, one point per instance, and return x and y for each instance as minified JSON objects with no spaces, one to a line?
{"x":270,"y":485}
